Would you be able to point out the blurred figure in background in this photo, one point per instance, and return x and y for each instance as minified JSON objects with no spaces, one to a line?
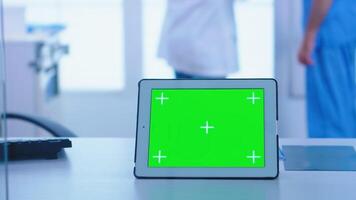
{"x":199,"y":38}
{"x":329,"y":50}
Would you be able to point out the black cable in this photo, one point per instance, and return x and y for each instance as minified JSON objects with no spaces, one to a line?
{"x":52,"y":127}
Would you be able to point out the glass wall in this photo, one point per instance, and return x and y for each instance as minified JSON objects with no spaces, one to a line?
{"x":3,"y":135}
{"x":77,"y":62}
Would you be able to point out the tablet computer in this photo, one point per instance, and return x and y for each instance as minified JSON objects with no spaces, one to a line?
{"x":207,"y":129}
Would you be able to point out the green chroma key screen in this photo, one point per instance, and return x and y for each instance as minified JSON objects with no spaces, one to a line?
{"x":207,"y":128}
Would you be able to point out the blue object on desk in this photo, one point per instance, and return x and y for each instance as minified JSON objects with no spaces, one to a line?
{"x":319,"y":158}
{"x":281,"y":155}
{"x":52,"y":29}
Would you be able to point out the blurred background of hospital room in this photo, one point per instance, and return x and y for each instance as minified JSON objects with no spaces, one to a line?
{"x":78,"y":61}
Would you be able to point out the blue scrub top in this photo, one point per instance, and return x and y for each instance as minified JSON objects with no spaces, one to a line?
{"x":339,"y":26}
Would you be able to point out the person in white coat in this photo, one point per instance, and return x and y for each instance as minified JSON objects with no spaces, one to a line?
{"x":199,"y":38}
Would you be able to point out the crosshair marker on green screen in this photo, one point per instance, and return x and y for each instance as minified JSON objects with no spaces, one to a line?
{"x":207,"y":128}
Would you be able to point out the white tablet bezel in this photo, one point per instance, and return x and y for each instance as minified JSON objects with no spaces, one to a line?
{"x":270,"y":170}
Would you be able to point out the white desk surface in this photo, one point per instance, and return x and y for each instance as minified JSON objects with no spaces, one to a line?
{"x":102,"y":168}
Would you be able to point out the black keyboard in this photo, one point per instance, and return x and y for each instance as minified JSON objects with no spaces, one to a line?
{"x":34,"y":148}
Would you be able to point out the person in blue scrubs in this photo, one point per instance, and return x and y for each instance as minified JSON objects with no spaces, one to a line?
{"x":328,"y":50}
